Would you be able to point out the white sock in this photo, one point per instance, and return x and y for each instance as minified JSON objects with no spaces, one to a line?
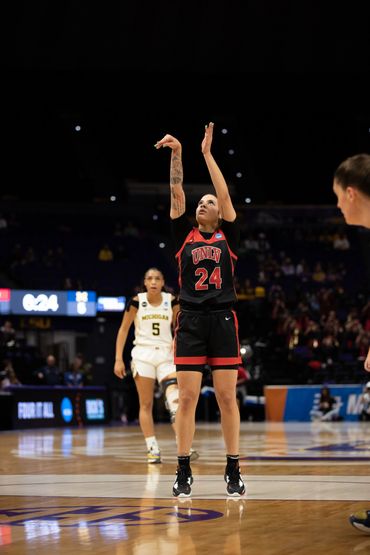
{"x":151,"y":443}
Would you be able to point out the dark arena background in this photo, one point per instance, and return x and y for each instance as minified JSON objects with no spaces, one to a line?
{"x":87,"y":91}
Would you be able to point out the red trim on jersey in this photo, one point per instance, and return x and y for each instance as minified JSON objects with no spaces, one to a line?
{"x":179,"y":271}
{"x":175,"y":331}
{"x":178,"y":255}
{"x":191,"y":360}
{"x":237,"y":333}
{"x":233,"y":255}
{"x":191,"y":232}
{"x":219,"y":361}
{"x":198,"y":237}
{"x":232,"y":258}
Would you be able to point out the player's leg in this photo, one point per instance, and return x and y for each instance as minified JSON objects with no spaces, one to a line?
{"x":190,"y":358}
{"x":170,"y":391}
{"x":189,"y":389}
{"x":144,"y":376}
{"x":224,"y":358}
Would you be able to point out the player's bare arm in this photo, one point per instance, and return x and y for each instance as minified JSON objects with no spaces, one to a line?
{"x":226,"y":207}
{"x":367,"y":362}
{"x":175,"y":311}
{"x":178,"y":204}
{"x":127,"y":320}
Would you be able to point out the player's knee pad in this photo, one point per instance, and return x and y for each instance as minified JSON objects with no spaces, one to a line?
{"x":171,"y":396}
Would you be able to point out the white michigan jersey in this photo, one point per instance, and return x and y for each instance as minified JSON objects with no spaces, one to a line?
{"x":153,"y":323}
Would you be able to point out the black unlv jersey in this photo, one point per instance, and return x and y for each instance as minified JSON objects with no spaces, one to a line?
{"x":206,"y":270}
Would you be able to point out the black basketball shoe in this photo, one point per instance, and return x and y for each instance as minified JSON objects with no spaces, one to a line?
{"x":182,"y":485}
{"x":235,"y":485}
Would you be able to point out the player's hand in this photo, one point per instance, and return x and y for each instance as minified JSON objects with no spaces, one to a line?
{"x":367,"y":362}
{"x":119,"y":369}
{"x":170,"y":141}
{"x":207,"y":140}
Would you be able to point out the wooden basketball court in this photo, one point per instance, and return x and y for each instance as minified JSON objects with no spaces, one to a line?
{"x":91,"y":490}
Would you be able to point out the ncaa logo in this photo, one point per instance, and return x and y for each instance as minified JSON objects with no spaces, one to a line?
{"x":66,"y":409}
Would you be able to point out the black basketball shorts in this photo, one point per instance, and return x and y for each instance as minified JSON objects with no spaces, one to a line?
{"x":206,"y":338}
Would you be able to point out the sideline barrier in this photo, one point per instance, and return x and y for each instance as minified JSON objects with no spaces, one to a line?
{"x":48,"y":407}
{"x":293,"y":403}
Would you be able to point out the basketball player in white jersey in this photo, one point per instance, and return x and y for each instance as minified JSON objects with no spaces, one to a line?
{"x":154,"y":314}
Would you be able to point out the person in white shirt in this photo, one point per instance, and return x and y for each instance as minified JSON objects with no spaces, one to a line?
{"x":153,"y":313}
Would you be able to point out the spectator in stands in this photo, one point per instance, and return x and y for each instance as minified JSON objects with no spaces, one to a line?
{"x":7,"y":335}
{"x":330,"y":323}
{"x":247,"y":291}
{"x":332,"y":274}
{"x":365,"y":316}
{"x":263,"y":246}
{"x":318,"y":273}
{"x":50,"y":374}
{"x":287,"y":267}
{"x":250,"y":243}
{"x":303,"y":271}
{"x":341,"y":242}
{"x":88,"y":371}
{"x":130,"y":230}
{"x":105,"y":254}
{"x":3,"y":223}
{"x":75,"y":376}
{"x":8,"y":376}
{"x":362,"y":343}
{"x":328,"y":350}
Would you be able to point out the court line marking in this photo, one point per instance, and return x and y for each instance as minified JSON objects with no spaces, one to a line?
{"x":159,"y":486}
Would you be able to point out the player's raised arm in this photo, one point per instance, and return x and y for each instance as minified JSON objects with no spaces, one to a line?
{"x":176,"y":175}
{"x":225,"y":204}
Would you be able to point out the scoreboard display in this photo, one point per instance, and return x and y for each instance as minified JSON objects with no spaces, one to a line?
{"x":81,"y":303}
{"x":111,"y":304}
{"x":48,"y":303}
{"x":4,"y":301}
